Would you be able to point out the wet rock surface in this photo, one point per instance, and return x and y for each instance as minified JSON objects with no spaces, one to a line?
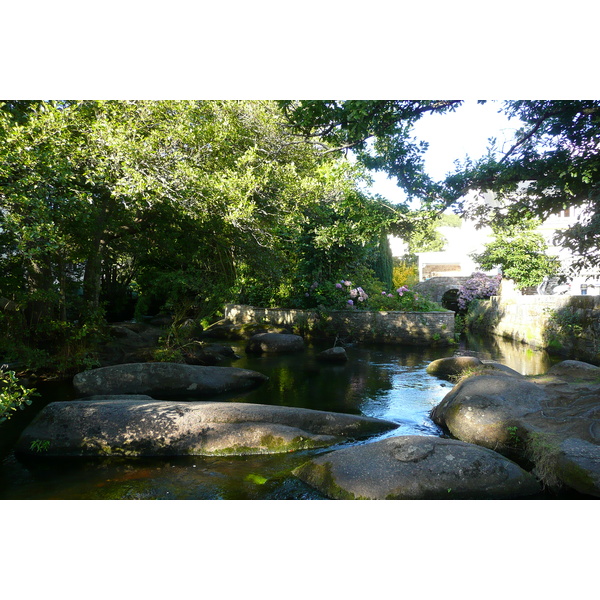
{"x":417,"y":467}
{"x":550,"y":421}
{"x":137,"y":427}
{"x":166,"y":380}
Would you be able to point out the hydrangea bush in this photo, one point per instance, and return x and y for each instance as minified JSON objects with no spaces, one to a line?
{"x":344,"y":294}
{"x":479,"y":286}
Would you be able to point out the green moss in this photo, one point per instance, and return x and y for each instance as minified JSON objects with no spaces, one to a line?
{"x":578,"y":478}
{"x":269,"y":444}
{"x":320,"y":477}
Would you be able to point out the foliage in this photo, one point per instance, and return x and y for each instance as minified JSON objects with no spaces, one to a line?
{"x":543,"y":449}
{"x":107,"y":205}
{"x":553,"y":165}
{"x":13,"y":394}
{"x":479,"y":286}
{"x":379,"y":132}
{"x":372,"y":295}
{"x":521,"y":254}
{"x":405,"y":272}
{"x":40,"y":445}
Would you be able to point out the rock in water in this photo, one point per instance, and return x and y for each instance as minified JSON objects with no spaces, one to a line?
{"x":134,"y":427}
{"x":166,"y":379}
{"x":481,"y":409}
{"x":453,"y":365}
{"x":416,"y":468}
{"x":333,"y":355}
{"x":274,"y":342}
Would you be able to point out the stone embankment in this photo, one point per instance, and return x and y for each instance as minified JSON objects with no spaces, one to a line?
{"x":564,"y":325}
{"x":397,"y":327}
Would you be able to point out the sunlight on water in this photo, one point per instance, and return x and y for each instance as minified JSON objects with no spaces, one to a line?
{"x":385,"y":382}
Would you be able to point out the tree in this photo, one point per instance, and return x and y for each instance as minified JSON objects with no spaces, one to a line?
{"x":183,"y":203}
{"x":379,"y":133}
{"x":521,"y":254}
{"x":553,"y":165}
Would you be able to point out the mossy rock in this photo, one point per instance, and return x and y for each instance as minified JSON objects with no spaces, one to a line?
{"x":137,"y":427}
{"x":416,"y":468}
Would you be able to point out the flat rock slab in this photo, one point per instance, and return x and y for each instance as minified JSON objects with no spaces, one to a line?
{"x":166,"y":380}
{"x":416,"y":468}
{"x":134,"y":427}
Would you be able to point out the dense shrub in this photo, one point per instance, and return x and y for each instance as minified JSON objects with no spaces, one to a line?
{"x":479,"y":286}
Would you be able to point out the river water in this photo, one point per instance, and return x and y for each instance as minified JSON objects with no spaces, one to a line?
{"x":383,"y":381}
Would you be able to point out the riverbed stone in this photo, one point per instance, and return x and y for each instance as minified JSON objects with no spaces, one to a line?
{"x":273,"y":343}
{"x":532,"y":420}
{"x":333,"y":355}
{"x":166,"y":380}
{"x":122,"y":427}
{"x":453,"y":365}
{"x":575,"y":369}
{"x":482,"y":409}
{"x":417,"y":468}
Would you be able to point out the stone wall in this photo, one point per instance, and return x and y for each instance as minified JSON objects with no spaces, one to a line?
{"x":565,"y":325}
{"x":411,"y":328}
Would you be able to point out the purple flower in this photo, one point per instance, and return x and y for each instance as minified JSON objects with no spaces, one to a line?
{"x":347,"y":283}
{"x":390,"y":295}
{"x":350,"y":303}
{"x":383,"y":294}
{"x":338,"y":286}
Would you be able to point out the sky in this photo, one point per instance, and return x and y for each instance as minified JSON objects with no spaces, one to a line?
{"x":452,"y":137}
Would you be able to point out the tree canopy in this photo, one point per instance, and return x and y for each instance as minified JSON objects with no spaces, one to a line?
{"x":553,"y":164}
{"x":176,"y":204}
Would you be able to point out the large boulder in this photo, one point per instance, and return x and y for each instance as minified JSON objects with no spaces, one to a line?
{"x":578,"y":466}
{"x":274,"y":343}
{"x":482,"y":409}
{"x":550,"y":422}
{"x":169,"y":380}
{"x":134,"y":427}
{"x":416,"y":468}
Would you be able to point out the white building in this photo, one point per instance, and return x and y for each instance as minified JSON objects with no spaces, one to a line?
{"x":455,"y":260}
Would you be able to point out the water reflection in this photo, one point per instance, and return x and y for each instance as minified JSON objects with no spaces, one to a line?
{"x":525,"y":359}
{"x":387,"y":382}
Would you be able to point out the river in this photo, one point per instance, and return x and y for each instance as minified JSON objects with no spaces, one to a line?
{"x":383,"y":381}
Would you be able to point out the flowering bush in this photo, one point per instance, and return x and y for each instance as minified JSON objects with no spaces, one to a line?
{"x":344,"y":294}
{"x":479,"y":286}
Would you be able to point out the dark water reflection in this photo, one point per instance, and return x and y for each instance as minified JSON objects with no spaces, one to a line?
{"x":387,"y":382}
